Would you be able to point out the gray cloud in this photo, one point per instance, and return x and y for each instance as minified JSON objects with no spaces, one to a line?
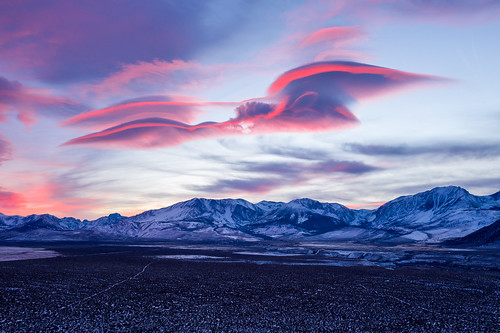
{"x":264,"y":177}
{"x":463,"y":150}
{"x":299,"y":153}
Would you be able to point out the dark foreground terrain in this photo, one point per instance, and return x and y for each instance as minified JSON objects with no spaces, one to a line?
{"x":117,"y":288}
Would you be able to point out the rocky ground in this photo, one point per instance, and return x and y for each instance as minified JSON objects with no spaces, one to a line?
{"x":131,"y":289}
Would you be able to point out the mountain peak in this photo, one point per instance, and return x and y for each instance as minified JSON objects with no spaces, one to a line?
{"x":446,"y":192}
{"x":449,"y":190}
{"x":436,"y":214}
{"x":305,"y":202}
{"x":203,"y":203}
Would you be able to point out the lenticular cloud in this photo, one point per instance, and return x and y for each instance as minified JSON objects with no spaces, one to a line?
{"x":310,"y":98}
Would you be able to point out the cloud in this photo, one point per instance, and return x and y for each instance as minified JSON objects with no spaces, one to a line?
{"x":351,"y":167}
{"x":295,"y":152}
{"x":296,"y":169}
{"x":136,"y":109}
{"x":64,"y":41}
{"x":69,"y":41}
{"x":26,"y":102}
{"x":235,"y":186}
{"x":451,"y":150}
{"x":143,"y":76}
{"x":441,"y":11}
{"x":10,"y":200}
{"x":5,"y":150}
{"x":345,"y":78}
{"x":310,"y":98}
{"x":342,"y":54}
{"x":279,"y":174}
{"x":43,"y":192}
{"x":150,"y":132}
{"x":371,"y":205}
{"x":333,"y":35}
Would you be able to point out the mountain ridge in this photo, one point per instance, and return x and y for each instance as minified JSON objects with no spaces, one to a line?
{"x":431,"y":216}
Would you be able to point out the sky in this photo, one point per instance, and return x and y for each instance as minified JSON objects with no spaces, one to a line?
{"x":125,"y":106}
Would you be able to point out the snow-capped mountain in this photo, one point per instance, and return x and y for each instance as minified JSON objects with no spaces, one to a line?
{"x":303,"y":217}
{"x":33,"y":222}
{"x":440,"y":213}
{"x":435,"y":215}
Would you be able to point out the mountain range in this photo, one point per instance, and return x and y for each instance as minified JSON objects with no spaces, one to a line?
{"x":433,"y":216}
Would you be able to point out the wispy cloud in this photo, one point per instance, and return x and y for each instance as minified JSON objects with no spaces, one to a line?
{"x":139,"y":108}
{"x":44,"y":192}
{"x":332,"y":35}
{"x":442,"y":11}
{"x":61,"y":41}
{"x":26,"y":102}
{"x":143,"y":76}
{"x":10,"y":200}
{"x":5,"y":149}
{"x":446,"y":149}
{"x":296,"y":169}
{"x":455,"y":10}
{"x":258,"y":185}
{"x":96,"y":35}
{"x":280,"y":174}
{"x":295,"y":152}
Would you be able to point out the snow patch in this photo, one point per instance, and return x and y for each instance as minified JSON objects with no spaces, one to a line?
{"x":187,"y":256}
{"x":272,"y":254}
{"x":23,"y":253}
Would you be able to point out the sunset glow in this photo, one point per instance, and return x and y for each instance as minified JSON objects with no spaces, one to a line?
{"x":123,"y":108}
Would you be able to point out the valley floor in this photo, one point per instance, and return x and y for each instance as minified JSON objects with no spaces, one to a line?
{"x":157,"y":288}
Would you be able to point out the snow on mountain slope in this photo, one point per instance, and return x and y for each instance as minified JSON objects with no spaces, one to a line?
{"x":226,"y":212}
{"x":440,"y":213}
{"x":7,"y":222}
{"x":45,"y":221}
{"x":193,"y":219}
{"x":486,"y":236}
{"x":269,"y":205}
{"x":303,"y":217}
{"x":434,"y":215}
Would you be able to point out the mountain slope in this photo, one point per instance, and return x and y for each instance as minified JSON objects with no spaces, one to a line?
{"x":440,"y":213}
{"x":431,"y":216}
{"x":489,"y":235}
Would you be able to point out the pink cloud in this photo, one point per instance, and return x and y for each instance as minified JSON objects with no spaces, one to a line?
{"x":10,"y":201}
{"x":310,"y":98}
{"x":44,"y":195}
{"x":150,"y":132}
{"x":341,"y":54}
{"x":26,"y":102}
{"x":252,"y":117}
{"x":54,"y":197}
{"x":347,"y":68}
{"x":371,"y":205}
{"x":185,"y":110}
{"x":138,"y":109}
{"x":147,"y":76}
{"x":332,"y":34}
